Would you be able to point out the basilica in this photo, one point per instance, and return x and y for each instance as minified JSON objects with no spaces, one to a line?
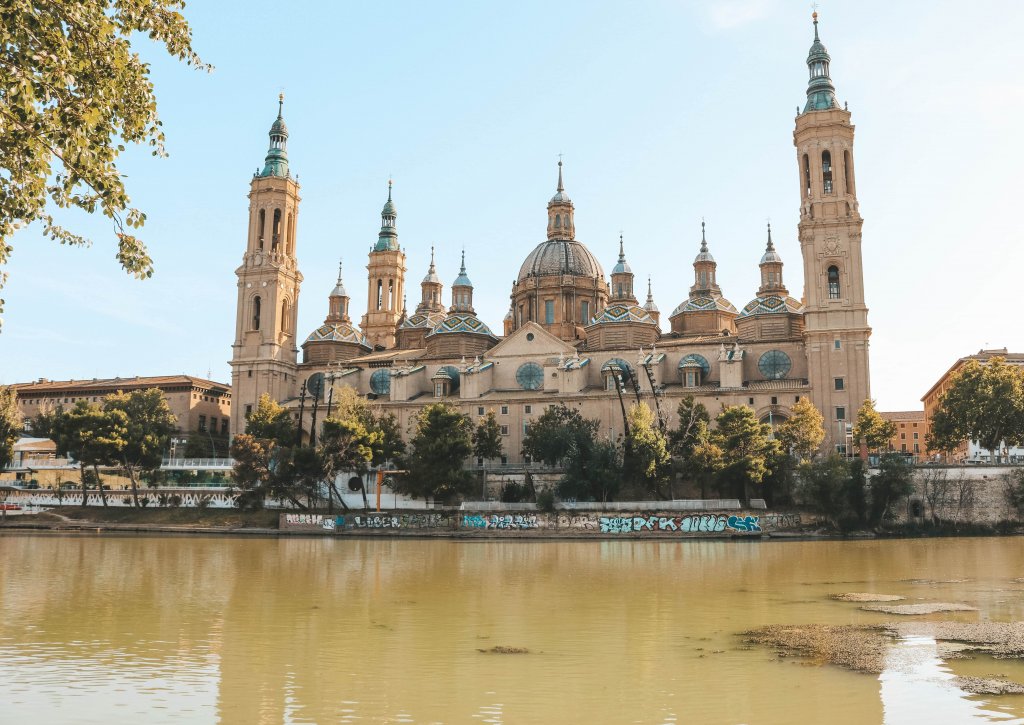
{"x":572,"y":335}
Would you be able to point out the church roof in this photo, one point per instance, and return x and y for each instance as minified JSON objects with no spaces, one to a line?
{"x":704,"y":303}
{"x":428,"y":320}
{"x":461,"y":322}
{"x":561,"y":256}
{"x":614,"y":314}
{"x":338,"y":332}
{"x":772,"y":305}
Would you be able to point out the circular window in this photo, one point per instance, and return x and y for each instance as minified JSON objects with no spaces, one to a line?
{"x":529,"y":337}
{"x":380,"y":382}
{"x":530,"y":376}
{"x":774,"y":364}
{"x":355,"y":484}
{"x":695,"y":360}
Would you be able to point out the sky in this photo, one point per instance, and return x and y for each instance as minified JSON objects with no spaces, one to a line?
{"x":666,"y":112}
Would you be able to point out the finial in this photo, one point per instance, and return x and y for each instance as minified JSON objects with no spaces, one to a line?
{"x":560,"y":187}
{"x":703,"y":238}
{"x":339,"y":271}
{"x":649,"y":293}
{"x":462,"y":270}
{"x":431,"y":257}
{"x":770,"y":245}
{"x":280,"y":103}
{"x":814,"y":17}
{"x":390,"y":182}
{"x":622,"y":251}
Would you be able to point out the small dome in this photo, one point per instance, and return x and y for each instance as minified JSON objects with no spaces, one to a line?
{"x":461,"y":322}
{"x":622,"y":267}
{"x":431,"y":277}
{"x":615,"y":314}
{"x":339,"y":290}
{"x":389,"y":209}
{"x":561,"y":256}
{"x":772,"y":305}
{"x":279,"y":128}
{"x":703,"y":256}
{"x":560,"y":197}
{"x":704,"y":304}
{"x":650,"y":306}
{"x":771,"y":256}
{"x":428,"y":320}
{"x":338,"y":332}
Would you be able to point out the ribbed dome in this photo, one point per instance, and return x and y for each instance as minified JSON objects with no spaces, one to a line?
{"x":426,"y":320}
{"x":623,"y":313}
{"x":772,"y":305}
{"x":461,"y":322}
{"x":338,"y":332}
{"x":703,"y":303}
{"x":561,"y":256}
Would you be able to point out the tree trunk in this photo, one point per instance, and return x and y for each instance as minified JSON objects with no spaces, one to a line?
{"x":85,"y":490}
{"x":135,"y":485}
{"x":366,"y":502}
{"x":99,"y":484}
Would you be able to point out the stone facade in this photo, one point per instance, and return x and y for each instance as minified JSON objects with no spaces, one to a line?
{"x":576,"y":337}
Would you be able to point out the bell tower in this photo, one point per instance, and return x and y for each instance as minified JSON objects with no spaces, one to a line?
{"x":385,"y":281}
{"x":264,"y":354}
{"x":836,"y":316}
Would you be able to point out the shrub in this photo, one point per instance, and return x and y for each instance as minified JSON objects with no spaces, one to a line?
{"x":546,"y":500}
{"x":512,"y":492}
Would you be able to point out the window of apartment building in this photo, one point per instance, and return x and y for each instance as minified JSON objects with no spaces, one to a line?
{"x":504,"y":430}
{"x":213,"y":424}
{"x":903,"y":425}
{"x":903,"y":436}
{"x":528,"y":409}
{"x":840,"y":413}
{"x":915,"y":435}
{"x":839,"y":383}
{"x":903,"y":447}
{"x":504,"y":410}
{"x":224,"y":426}
{"x":526,"y":428}
{"x":202,"y":423}
{"x":917,"y":448}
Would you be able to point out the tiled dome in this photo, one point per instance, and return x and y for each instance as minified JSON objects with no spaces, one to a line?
{"x":338,"y":332}
{"x":772,"y":305}
{"x":704,"y":304}
{"x":623,"y":313}
{"x":461,"y":322}
{"x":561,"y":256}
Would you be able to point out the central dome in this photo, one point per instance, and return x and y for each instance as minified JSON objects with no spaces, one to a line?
{"x":561,"y":256}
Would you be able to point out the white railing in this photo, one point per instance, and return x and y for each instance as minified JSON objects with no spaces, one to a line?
{"x":708,"y":504}
{"x":192,"y":464}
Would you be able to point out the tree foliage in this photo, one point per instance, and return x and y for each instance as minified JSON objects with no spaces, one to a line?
{"x":94,"y":437}
{"x":648,"y":461}
{"x":10,"y":424}
{"x":555,"y":433}
{"x":346,"y":445}
{"x":747,"y":447}
{"x":983,"y":403}
{"x":593,"y":470}
{"x":74,"y":92}
{"x":893,"y":482}
{"x":696,"y":457}
{"x":487,"y":438}
{"x":804,"y":431}
{"x":148,"y":422}
{"x":871,"y":429}
{"x":271,"y":421}
{"x":442,"y":442}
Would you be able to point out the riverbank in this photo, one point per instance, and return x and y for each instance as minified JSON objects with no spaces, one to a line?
{"x":467,"y":525}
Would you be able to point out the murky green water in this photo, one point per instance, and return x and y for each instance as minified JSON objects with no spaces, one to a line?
{"x":226,"y":630}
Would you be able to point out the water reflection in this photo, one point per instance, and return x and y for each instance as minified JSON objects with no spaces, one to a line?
{"x":118,"y":629}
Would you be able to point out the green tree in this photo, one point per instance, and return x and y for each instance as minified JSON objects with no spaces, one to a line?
{"x":93,"y":437}
{"x":894,"y":481}
{"x":389,"y":447}
{"x":271,"y":421}
{"x":10,"y":424}
{"x":345,"y":445}
{"x":804,"y":431}
{"x":823,"y":485}
{"x":747,"y":447}
{"x":983,"y":403}
{"x":75,"y":91}
{"x":648,"y":462}
{"x":47,"y":423}
{"x":871,"y":429}
{"x":555,"y":433}
{"x":149,"y":423}
{"x":487,"y":445}
{"x":593,"y":470}
{"x":695,"y":456}
{"x":442,"y":442}
{"x":255,"y":463}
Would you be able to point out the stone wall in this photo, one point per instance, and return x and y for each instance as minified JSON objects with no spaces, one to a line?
{"x":967,"y":494}
{"x":638,"y":524}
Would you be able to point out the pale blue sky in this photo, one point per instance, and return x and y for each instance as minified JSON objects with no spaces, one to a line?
{"x":666,"y":111}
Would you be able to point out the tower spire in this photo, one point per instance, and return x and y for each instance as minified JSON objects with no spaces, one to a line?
{"x":821,"y":94}
{"x":703,"y":238}
{"x":561,"y":187}
{"x":276,"y":162}
{"x":387,"y":240}
{"x":771,"y":247}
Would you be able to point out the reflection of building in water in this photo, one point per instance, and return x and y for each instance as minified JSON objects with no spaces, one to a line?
{"x":572,"y":334}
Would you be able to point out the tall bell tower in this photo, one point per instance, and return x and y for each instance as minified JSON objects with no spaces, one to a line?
{"x":385,"y":281}
{"x":264,"y":355}
{"x":836,"y":317}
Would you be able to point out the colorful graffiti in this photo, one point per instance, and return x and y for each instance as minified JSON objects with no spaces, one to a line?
{"x":499,"y":521}
{"x":403,"y":521}
{"x":703,"y":523}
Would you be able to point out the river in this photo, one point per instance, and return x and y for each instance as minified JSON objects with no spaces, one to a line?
{"x":128,"y":629}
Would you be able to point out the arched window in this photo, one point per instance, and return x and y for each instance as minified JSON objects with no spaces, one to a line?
{"x":585,"y":312}
{"x":558,"y":221}
{"x":620,"y":291}
{"x":391,"y":294}
{"x":256,"y":304}
{"x":846,"y":173}
{"x":833,"y":282}
{"x":261,"y":230}
{"x":380,"y":293}
{"x":275,"y":234}
{"x":284,"y":316}
{"x":826,"y":171}
{"x":289,"y":245}
{"x":807,"y":176}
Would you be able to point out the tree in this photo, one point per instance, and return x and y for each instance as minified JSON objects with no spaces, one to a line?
{"x":389,"y":447}
{"x":442,"y":442}
{"x":10,"y":424}
{"x":555,"y":433}
{"x":871,"y":429}
{"x":893,"y":482}
{"x":272,"y":422}
{"x":94,"y":437}
{"x":746,"y":446}
{"x":823,"y":484}
{"x":593,"y":471}
{"x":345,"y":445}
{"x":74,"y":92}
{"x":804,"y":432}
{"x":487,"y":444}
{"x":47,"y":423}
{"x":648,"y":460}
{"x":254,"y":469}
{"x":696,"y":456}
{"x":984,"y":403}
{"x":149,"y":423}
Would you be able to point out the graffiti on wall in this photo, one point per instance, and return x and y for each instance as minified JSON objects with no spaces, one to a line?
{"x":702,"y":523}
{"x":400,"y":521}
{"x":500,"y":521}
{"x":310,"y":521}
